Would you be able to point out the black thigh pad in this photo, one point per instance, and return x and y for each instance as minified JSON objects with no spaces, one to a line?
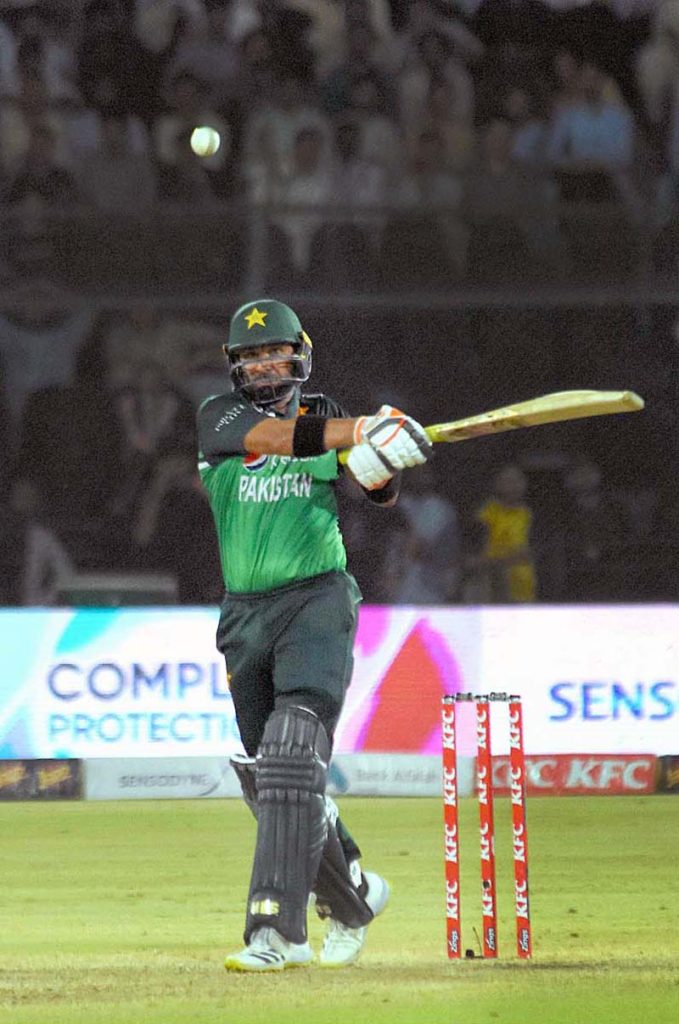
{"x":290,"y":775}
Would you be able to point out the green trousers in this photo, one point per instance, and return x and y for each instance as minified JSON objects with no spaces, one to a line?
{"x":290,"y":645}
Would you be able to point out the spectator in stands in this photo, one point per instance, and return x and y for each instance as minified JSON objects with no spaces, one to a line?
{"x":433,"y":189}
{"x":173,"y":531}
{"x":60,"y":420}
{"x":270,"y":134}
{"x":208,"y":51}
{"x":85,"y":124}
{"x":502,"y":570}
{"x":567,"y":88}
{"x":344,"y":248}
{"x":529,"y":130}
{"x":506,"y":63}
{"x":109,"y":51}
{"x":362,"y":56}
{"x":657,"y":63}
{"x":33,"y":561}
{"x":381,"y":140}
{"x":153,"y":420}
{"x":159,"y":24}
{"x":307,"y":190}
{"x":259,"y":74}
{"x":511,"y":213}
{"x":436,"y":62}
{"x":375,"y":48}
{"x":422,"y":17}
{"x":358,"y":185}
{"x":595,"y":532}
{"x":40,"y":178}
{"x":368,"y":540}
{"x":288,"y":25}
{"x":40,"y":335}
{"x":113,"y":178}
{"x":307,"y":34}
{"x":457,"y":133}
{"x":22,"y":116}
{"x":657,"y":72}
{"x":45,"y":48}
{"x":191,"y":106}
{"x":423,"y":562}
{"x":591,"y":143}
{"x":40,"y":185}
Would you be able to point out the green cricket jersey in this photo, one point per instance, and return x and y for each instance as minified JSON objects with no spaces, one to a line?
{"x":276,"y":515}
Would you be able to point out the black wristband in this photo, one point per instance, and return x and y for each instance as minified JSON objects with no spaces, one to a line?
{"x":308,"y":437}
{"x":381,"y":495}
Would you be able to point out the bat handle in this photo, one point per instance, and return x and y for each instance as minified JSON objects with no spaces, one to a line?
{"x":343,"y":453}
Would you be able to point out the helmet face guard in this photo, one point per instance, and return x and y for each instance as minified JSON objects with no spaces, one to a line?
{"x":258,"y":325}
{"x":267,"y":388}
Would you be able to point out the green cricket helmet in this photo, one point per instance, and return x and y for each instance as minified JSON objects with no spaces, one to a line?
{"x":262,"y":323}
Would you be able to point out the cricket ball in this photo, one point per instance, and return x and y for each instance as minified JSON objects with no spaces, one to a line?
{"x":205,"y":141}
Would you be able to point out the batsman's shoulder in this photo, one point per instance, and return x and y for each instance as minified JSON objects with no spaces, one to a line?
{"x":216,"y":407}
{"x":318,"y":404}
{"x":222,"y":423}
{"x":213,"y":402}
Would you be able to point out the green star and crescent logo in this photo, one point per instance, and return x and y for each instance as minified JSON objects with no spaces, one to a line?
{"x":256,"y":318}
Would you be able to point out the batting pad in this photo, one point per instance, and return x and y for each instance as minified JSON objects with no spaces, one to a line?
{"x":292,"y":825}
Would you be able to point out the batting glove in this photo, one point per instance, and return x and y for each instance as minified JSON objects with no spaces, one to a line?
{"x":398,"y":440}
{"x":367,"y":467}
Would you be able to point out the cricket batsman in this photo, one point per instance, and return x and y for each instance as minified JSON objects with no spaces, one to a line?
{"x":268,"y":461}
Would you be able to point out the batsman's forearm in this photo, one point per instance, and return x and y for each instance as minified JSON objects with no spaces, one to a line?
{"x":274,"y":437}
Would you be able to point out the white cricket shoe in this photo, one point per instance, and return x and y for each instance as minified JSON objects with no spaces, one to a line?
{"x":269,"y":951}
{"x":342,"y":945}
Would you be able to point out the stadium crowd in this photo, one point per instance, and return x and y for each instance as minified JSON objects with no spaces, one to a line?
{"x":496,"y":120}
{"x":367,"y":147}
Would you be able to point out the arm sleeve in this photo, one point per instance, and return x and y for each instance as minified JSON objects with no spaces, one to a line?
{"x":222,"y":423}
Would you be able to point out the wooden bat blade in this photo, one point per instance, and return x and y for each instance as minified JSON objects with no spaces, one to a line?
{"x":553,"y":408}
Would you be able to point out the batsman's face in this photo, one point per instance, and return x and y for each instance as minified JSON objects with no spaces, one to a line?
{"x":261,"y":362}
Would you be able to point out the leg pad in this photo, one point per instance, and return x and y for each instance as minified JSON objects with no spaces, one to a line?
{"x":290,"y":777}
{"x":337,"y":894}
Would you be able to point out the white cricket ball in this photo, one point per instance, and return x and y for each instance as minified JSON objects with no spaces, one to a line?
{"x":205,"y":141}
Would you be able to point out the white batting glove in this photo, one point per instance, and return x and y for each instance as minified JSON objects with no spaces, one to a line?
{"x":399,"y":440}
{"x":367,"y":467}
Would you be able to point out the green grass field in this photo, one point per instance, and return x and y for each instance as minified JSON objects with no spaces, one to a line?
{"x":120,"y":913}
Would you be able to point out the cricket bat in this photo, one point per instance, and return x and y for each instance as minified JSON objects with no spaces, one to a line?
{"x":554,"y":408}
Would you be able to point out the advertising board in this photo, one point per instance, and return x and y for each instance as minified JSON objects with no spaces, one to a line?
{"x":105,"y":682}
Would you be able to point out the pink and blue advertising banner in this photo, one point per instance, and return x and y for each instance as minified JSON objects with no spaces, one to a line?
{"x":94,"y":683}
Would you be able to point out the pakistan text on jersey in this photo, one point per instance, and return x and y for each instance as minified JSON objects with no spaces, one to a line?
{"x":275,"y":488}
